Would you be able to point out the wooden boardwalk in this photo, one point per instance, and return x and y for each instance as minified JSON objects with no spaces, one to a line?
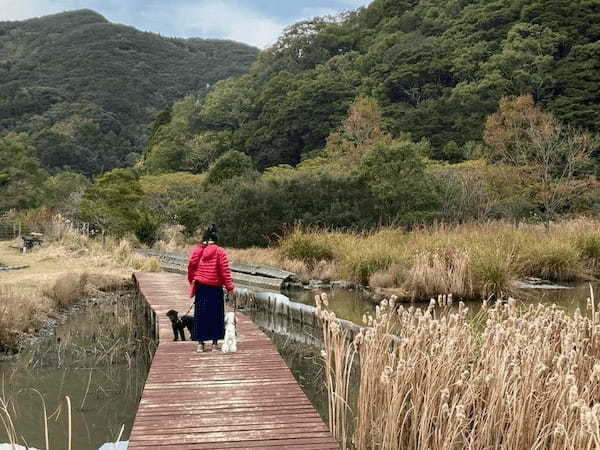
{"x":214,"y":400}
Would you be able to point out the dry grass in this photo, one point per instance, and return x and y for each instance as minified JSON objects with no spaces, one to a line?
{"x":470,"y":261}
{"x":529,"y":380}
{"x":66,"y":289}
{"x":64,"y":269}
{"x":323,"y":270}
{"x":16,"y":311}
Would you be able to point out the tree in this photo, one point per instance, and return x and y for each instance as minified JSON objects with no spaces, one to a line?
{"x":577,"y":99}
{"x":526,"y":62}
{"x":64,"y":192}
{"x":395,"y":174}
{"x":113,"y":201}
{"x":20,"y":175}
{"x":360,"y":131}
{"x":231,"y":165}
{"x":552,"y":157}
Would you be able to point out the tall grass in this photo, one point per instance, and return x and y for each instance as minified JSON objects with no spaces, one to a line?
{"x":470,"y":261}
{"x":429,"y":380}
{"x":339,"y":359}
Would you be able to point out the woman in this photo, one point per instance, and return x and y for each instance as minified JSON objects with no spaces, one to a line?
{"x":208,"y":272}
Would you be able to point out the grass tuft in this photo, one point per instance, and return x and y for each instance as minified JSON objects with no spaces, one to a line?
{"x":305,"y":248}
{"x":66,"y":289}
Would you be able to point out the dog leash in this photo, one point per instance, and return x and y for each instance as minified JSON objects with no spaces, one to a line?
{"x":188,"y":311}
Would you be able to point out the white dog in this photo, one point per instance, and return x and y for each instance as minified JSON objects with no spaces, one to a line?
{"x":230,"y":340}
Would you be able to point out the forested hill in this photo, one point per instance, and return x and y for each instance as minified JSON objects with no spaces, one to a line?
{"x":437,"y":69}
{"x":84,"y":91}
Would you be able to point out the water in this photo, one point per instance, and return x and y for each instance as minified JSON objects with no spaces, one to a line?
{"x":99,"y":358}
{"x":352,"y":305}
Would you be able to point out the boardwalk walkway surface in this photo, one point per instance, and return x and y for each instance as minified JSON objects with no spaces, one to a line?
{"x":243,"y":400}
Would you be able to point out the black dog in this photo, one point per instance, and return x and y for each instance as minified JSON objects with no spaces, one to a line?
{"x":179,"y":324}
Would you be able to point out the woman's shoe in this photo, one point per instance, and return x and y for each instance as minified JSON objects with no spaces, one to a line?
{"x":215,"y":348}
{"x":200,"y":348}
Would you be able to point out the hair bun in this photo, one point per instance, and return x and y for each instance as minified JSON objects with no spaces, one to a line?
{"x":211,"y":233}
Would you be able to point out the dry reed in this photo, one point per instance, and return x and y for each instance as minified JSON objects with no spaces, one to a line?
{"x":338,"y":359}
{"x":529,"y":379}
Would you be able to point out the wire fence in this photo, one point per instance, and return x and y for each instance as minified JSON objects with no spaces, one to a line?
{"x":11,"y":230}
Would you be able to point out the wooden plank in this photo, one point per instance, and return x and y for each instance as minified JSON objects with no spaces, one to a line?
{"x":243,"y":400}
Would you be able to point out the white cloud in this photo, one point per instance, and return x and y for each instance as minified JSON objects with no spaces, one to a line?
{"x":227,"y":20}
{"x":224,"y":19}
{"x":19,"y":9}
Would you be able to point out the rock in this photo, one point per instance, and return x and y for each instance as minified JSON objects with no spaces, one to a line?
{"x":343,"y":284}
{"x":317,"y":284}
{"x":537,"y":283}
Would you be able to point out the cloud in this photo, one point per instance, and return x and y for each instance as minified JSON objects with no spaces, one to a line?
{"x":241,"y":20}
{"x":19,"y":9}
{"x":227,"y":20}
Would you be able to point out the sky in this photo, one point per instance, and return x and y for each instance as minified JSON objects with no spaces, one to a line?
{"x":255,"y":22}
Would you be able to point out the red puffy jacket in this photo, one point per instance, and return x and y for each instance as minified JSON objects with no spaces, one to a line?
{"x":208,"y":264}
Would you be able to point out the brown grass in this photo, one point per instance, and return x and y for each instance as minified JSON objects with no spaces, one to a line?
{"x":530,"y":379}
{"x":66,"y":289}
{"x":63,"y":270}
{"x":323,"y":270}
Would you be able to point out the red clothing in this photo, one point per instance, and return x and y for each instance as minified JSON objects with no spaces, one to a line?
{"x":208,"y":264}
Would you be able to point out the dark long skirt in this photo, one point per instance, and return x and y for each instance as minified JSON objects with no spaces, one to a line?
{"x":209,"y":313}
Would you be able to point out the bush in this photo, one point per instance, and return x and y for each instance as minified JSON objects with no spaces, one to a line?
{"x":360,"y":267}
{"x":589,"y":246}
{"x":231,"y":165}
{"x":305,"y":248}
{"x":257,"y":212}
{"x":552,"y":260}
{"x":493,"y":272}
{"x":147,"y":229}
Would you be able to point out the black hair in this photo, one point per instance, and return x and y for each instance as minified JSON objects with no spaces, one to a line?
{"x":211,"y":234}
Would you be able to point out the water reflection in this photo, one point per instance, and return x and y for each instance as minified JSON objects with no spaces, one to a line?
{"x":352,"y":305}
{"x":99,"y":358}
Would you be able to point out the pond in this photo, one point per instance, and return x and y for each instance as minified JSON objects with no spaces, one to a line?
{"x":99,"y":358}
{"x":353,"y":304}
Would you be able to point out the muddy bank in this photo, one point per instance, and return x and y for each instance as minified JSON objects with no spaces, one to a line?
{"x":40,"y":330}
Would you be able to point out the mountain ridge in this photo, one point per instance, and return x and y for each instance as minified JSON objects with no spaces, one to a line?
{"x":116,"y":79}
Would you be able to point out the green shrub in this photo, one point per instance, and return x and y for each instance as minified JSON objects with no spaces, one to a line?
{"x":360,"y":267}
{"x":305,"y":248}
{"x":493,"y":272}
{"x":230,"y":165}
{"x":589,"y":246}
{"x":551,"y":260}
{"x":147,"y":229}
